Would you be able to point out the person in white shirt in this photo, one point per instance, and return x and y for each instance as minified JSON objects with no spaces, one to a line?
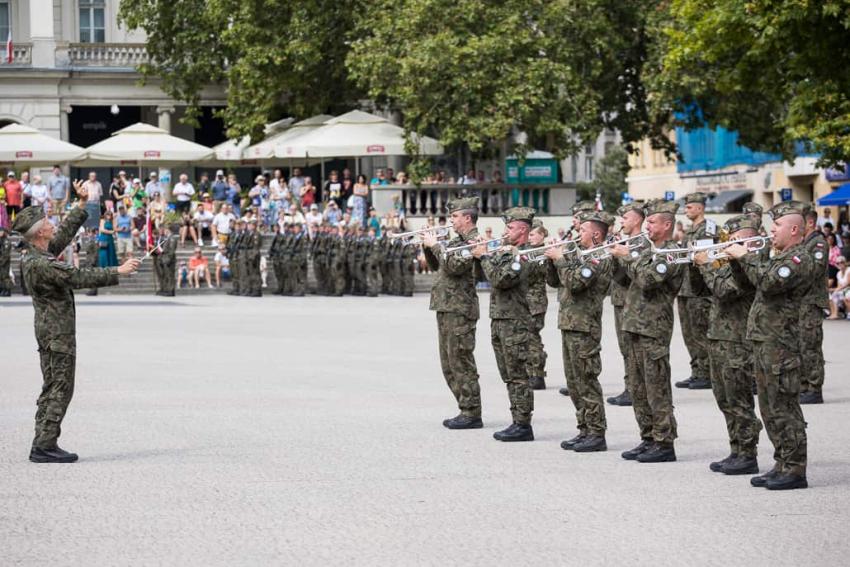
{"x":153,"y":187}
{"x":221,"y":224}
{"x":183,"y":192}
{"x":222,"y":264}
{"x":294,"y":216}
{"x":38,"y":192}
{"x":203,"y":223}
{"x":314,"y":217}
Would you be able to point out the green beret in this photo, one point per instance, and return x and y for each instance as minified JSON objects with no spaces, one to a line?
{"x":697,"y":197}
{"x":637,"y":207}
{"x":740,"y":223}
{"x":463,"y":204}
{"x":657,"y":206}
{"x":584,"y":206}
{"x":27,"y":218}
{"x":753,"y":209}
{"x":788,"y":208}
{"x":597,"y":216}
{"x":525,"y":214}
{"x":537,"y":224}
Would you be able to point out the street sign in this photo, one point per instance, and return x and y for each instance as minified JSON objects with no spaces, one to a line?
{"x":669,"y":195}
{"x":786,"y":194}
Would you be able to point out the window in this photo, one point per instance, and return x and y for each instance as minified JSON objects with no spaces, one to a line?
{"x":574,"y":169}
{"x":588,"y":149}
{"x":4,"y":21}
{"x":92,"y":29}
{"x":588,"y":168}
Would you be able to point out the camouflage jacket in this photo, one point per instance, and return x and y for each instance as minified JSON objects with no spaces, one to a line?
{"x":818,"y":249}
{"x":5,"y":255}
{"x":253,"y":244}
{"x":509,"y":280}
{"x":692,"y":283}
{"x":620,"y":280}
{"x":233,"y":245}
{"x":732,"y":297}
{"x":91,"y":248}
{"x":454,"y":286}
{"x":51,"y":284}
{"x":581,"y":292}
{"x":781,"y":284}
{"x":538,"y":300}
{"x":167,"y":254}
{"x":649,"y":301}
{"x":275,"y":251}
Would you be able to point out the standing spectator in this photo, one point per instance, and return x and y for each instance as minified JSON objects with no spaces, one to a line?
{"x":153,"y":186}
{"x":390,"y":175}
{"x":313,"y":217}
{"x":203,"y":225}
{"x":138,"y":196}
{"x":59,"y":189}
{"x":469,"y":179}
{"x":839,"y":292}
{"x":346,"y":193}
{"x":834,"y":255}
{"x":4,"y":213}
{"x":183,"y":192}
{"x":278,"y":194}
{"x":106,"y":242}
{"x":219,"y":191}
{"x":234,"y":197}
{"x":332,"y":191}
{"x":255,"y":194}
{"x":296,"y":182}
{"x":829,"y":229}
{"x":374,"y":222}
{"x":38,"y":193}
{"x":25,"y":184}
{"x":379,"y":179}
{"x":360,"y":200}
{"x":124,"y":229}
{"x":221,"y":224}
{"x":117,"y":190}
{"x":826,"y":218}
{"x":199,"y":269}
{"x":308,"y":193}
{"x":204,"y":183}
{"x":94,"y":205}
{"x":222,"y":265}
{"x":14,"y":195}
{"x":332,"y":214}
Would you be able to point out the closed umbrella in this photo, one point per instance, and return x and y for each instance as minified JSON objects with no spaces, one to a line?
{"x":27,"y":146}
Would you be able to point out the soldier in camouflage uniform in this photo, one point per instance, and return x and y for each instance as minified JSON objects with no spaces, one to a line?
{"x":337,"y":266}
{"x":91,"y":249}
{"x":538,"y":302}
{"x":815,"y":303}
{"x":165,"y":258}
{"x":386,"y":242}
{"x":731,"y":354}
{"x":251,"y":245}
{"x":510,"y":319}
{"x":51,"y":284}
{"x":5,"y":263}
{"x":582,"y":289}
{"x":782,"y":283}
{"x":694,"y":298}
{"x":577,"y":210}
{"x":395,"y":268}
{"x":373,"y":265}
{"x":408,"y":268}
{"x":276,"y":257}
{"x":631,"y":218}
{"x":755,"y":212}
{"x":237,"y":260}
{"x":648,"y":324}
{"x":455,"y":301}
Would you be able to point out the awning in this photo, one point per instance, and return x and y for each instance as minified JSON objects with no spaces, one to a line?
{"x":839,"y":197}
{"x":723,"y":202}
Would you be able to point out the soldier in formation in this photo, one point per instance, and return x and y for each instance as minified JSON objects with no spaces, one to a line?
{"x":90,"y":248}
{"x":815,"y":302}
{"x":5,"y":263}
{"x":165,"y":262}
{"x":538,"y":302}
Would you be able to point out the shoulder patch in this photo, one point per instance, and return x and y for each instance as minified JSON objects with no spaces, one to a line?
{"x":661,"y":268}
{"x":586,"y":273}
{"x":818,"y":255}
{"x":516,"y":266}
{"x":710,"y":227}
{"x":796,"y":259}
{"x":635,"y":253}
{"x":783,"y":271}
{"x":819,"y":244}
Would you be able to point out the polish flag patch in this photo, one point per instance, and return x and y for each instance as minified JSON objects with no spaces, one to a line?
{"x":819,"y":244}
{"x":795,"y":259}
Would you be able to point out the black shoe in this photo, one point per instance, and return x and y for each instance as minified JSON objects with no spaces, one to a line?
{"x":591,"y":444}
{"x":463,"y":422}
{"x":563,"y":391}
{"x":686,"y":383}
{"x":623,"y":399}
{"x":741,"y":465}
{"x":700,"y":384}
{"x":632,"y":454}
{"x":761,"y":480}
{"x":811,"y":398}
{"x":658,"y":454}
{"x":787,"y":481}
{"x":537,"y":383}
{"x":256,"y":294}
{"x":516,"y":432}
{"x":569,"y":444}
{"x":233,"y":292}
{"x":55,"y":455}
{"x":91,"y":292}
{"x":717,"y":466}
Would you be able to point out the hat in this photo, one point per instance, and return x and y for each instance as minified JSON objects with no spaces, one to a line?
{"x":256,"y":179}
{"x":537,"y":223}
{"x":136,"y":180}
{"x":583,"y":206}
{"x":252,"y":220}
{"x":657,"y":206}
{"x":740,"y":223}
{"x":753,"y":208}
{"x":697,"y":197}
{"x":27,"y":218}
{"x":10,"y":174}
{"x":637,"y":207}
{"x":525,"y":214}
{"x":314,"y":206}
{"x":597,"y":216}
{"x":465,"y":204}
{"x":788,"y":208}
{"x":152,"y":174}
{"x":219,"y":172}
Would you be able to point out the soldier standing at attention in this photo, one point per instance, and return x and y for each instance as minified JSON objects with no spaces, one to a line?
{"x":299,"y":261}
{"x":731,"y":354}
{"x":275,"y":257}
{"x":782,"y":283}
{"x":408,"y":268}
{"x":648,"y":324}
{"x":373,"y":265}
{"x":812,"y":311}
{"x":538,"y":302}
{"x":695,"y":298}
{"x":584,"y":286}
{"x":6,"y":262}
{"x":631,"y":219}
{"x":510,"y":319}
{"x":51,"y":284}
{"x":253,"y":250}
{"x":91,"y":248}
{"x":166,"y":259}
{"x":237,"y":261}
{"x":455,"y":301}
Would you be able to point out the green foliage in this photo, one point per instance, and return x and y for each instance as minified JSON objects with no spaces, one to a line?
{"x":609,"y":180}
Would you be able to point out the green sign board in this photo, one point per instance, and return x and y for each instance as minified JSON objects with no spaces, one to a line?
{"x":532,"y":171}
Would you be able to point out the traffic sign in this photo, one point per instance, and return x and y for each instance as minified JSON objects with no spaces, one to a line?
{"x":786,"y":194}
{"x":669,"y":195}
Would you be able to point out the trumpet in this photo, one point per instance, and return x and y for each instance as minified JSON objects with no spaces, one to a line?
{"x":466,"y":249}
{"x":634,"y":243}
{"x":415,"y":236}
{"x":714,"y":251}
{"x":539,"y":254}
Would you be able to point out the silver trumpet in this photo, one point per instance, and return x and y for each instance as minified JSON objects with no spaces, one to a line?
{"x":634,"y":243}
{"x":714,"y":251}
{"x":466,"y":249}
{"x":539,"y":254}
{"x":415,"y":236}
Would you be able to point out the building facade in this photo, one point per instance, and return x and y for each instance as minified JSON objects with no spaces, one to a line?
{"x":580,"y":167}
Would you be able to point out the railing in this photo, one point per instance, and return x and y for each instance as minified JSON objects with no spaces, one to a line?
{"x":493,"y":198}
{"x":21,"y":55}
{"x":107,"y":54}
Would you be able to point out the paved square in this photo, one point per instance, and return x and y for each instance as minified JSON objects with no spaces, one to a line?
{"x":306,"y":431}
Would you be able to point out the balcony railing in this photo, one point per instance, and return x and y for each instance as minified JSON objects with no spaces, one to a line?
{"x":107,"y":54}
{"x":21,"y":55}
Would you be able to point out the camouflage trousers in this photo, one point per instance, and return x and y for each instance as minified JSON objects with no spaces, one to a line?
{"x":319,"y":272}
{"x":57,"y":371}
{"x":298,"y":278}
{"x":509,"y":338}
{"x":253,"y":280}
{"x":5,"y":280}
{"x":621,"y":342}
{"x":408,"y":279}
{"x":373,"y":280}
{"x":693,"y":315}
{"x":811,"y":345}
{"x":456,"y":336}
{"x":649,"y":386}
{"x":581,"y":357}
{"x":167,"y":277}
{"x":536,"y":363}
{"x":778,"y":376}
{"x":732,"y":384}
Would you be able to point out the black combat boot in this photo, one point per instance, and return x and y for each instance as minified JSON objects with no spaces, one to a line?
{"x":742,"y":465}
{"x":92,"y":292}
{"x":54,"y":455}
{"x":787,"y":481}
{"x":623,"y":399}
{"x":684,"y":383}
{"x":463,"y":422}
{"x":564,"y":391}
{"x":717,"y":466}
{"x":632,"y":454}
{"x":537,"y":383}
{"x":761,"y":480}
{"x":569,"y":444}
{"x":700,"y":384}
{"x":811,"y":398}
{"x":658,"y":453}
{"x":591,"y":444}
{"x":516,"y":432}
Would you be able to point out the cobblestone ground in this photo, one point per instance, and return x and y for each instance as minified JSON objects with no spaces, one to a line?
{"x":219,"y":430}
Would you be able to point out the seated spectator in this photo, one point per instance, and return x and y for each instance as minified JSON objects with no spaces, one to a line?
{"x":183,"y":275}
{"x":839,"y":294}
{"x":140,"y":226}
{"x":314,"y":217}
{"x":834,"y":255}
{"x":187,"y":228}
{"x":222,"y":265}
{"x":293,"y":216}
{"x":332,"y":214}
{"x":199,"y":269}
{"x":203,"y":225}
{"x":374,"y":223}
{"x":207,"y":203}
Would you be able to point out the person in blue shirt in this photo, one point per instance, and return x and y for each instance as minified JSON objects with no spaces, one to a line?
{"x":219,"y":190}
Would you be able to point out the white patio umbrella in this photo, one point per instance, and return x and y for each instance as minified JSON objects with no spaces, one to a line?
{"x":282,"y":145}
{"x":144,"y":143}
{"x":27,"y":146}
{"x":230,"y":151}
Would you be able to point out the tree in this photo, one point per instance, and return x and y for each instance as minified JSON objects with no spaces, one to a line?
{"x":609,"y":180}
{"x":775,"y":71}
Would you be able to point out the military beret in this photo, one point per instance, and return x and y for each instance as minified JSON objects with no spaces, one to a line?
{"x":27,"y":218}
{"x":753,"y":209}
{"x":740,"y":223}
{"x":463,"y":204}
{"x":788,"y":208}
{"x":657,"y":206}
{"x":597,"y":216}
{"x":525,"y":214}
{"x":584,"y":206}
{"x":252,"y":221}
{"x":537,"y":224}
{"x":697,"y":197}
{"x":637,"y":207}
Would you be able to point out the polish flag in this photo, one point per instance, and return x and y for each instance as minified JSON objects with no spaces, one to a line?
{"x":598,"y":202}
{"x":9,"y":47}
